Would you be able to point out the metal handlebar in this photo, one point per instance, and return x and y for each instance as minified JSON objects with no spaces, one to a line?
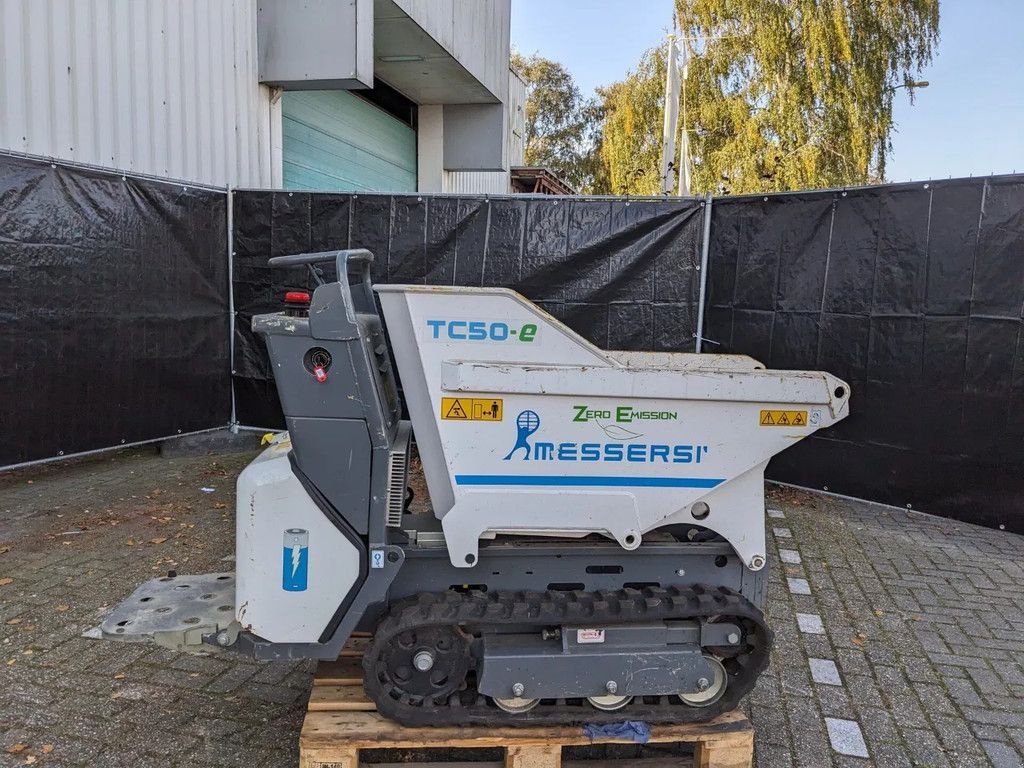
{"x":342,"y":259}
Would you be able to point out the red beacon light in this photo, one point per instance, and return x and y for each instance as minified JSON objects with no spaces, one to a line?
{"x":296,"y":304}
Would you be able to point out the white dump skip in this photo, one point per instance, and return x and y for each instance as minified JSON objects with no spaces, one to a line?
{"x":524,"y":427}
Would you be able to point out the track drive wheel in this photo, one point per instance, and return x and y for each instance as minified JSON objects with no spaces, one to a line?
{"x":427,"y":664}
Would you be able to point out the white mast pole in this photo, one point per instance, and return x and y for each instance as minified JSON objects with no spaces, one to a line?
{"x":668,"y":135}
{"x":684,"y":144}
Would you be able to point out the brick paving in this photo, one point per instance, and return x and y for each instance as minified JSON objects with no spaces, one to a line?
{"x":79,"y":538}
{"x":915,"y":626}
{"x":924,"y":620}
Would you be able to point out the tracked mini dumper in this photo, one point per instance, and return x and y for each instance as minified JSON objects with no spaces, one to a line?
{"x":597,"y":545}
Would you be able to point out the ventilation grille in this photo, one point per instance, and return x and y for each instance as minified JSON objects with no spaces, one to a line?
{"x":396,"y":486}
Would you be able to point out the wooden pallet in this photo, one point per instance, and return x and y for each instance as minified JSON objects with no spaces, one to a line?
{"x":341,"y":722}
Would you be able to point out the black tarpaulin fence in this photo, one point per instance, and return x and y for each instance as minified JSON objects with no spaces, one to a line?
{"x":911,"y":293}
{"x":114,"y":317}
{"x":114,"y":328}
{"x":622,"y":273}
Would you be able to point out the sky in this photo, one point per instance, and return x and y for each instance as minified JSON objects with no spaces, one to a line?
{"x":968,"y":121}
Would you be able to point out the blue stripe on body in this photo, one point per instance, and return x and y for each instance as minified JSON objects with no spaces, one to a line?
{"x":588,"y":480}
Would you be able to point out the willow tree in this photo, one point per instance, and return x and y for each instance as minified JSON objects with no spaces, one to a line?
{"x":630,"y":141}
{"x":796,"y":94}
{"x":560,"y":122}
{"x":780,"y":94}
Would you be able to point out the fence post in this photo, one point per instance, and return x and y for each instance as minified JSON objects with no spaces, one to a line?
{"x":705,"y":247}
{"x":233,"y":422}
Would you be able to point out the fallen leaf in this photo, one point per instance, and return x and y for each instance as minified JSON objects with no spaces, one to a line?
{"x":14,"y":621}
{"x":158,"y":540}
{"x":62,"y":608}
{"x":47,"y":749}
{"x":220,"y":505}
{"x":16,"y":748}
{"x":859,"y":638}
{"x":5,"y":581}
{"x":878,"y":612}
{"x":4,"y":549}
{"x":119,"y":676}
{"x":29,"y":759}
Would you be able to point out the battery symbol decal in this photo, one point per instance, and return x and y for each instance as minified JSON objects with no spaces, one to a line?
{"x":295,"y":574}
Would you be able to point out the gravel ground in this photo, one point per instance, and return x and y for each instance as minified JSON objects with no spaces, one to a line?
{"x":899,"y":635}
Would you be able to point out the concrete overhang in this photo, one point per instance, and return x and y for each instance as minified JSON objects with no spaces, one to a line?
{"x":408,"y":59}
{"x":346,"y":44}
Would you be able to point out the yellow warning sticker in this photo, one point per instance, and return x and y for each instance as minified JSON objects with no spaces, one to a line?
{"x":783,"y":418}
{"x":471,"y":408}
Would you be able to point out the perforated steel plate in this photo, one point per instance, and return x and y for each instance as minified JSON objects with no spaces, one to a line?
{"x":174,"y":611}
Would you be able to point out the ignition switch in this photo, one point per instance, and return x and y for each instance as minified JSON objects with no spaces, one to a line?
{"x":317,"y":361}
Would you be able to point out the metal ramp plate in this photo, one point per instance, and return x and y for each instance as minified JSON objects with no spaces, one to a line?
{"x":174,"y":611}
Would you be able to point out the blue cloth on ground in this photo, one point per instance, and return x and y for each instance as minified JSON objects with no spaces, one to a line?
{"x":634,"y":730}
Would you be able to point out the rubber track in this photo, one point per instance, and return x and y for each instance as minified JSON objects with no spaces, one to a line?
{"x":476,"y":611}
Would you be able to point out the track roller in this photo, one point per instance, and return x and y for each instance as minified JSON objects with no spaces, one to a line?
{"x":715,"y":687}
{"x":609,"y":702}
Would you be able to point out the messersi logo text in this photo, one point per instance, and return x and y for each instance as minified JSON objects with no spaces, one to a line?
{"x":481,"y":330}
{"x":528,"y":422}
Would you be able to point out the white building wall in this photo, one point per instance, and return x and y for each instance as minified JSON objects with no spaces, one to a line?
{"x":162,"y":87}
{"x":516,"y":119}
{"x":477,"y":182}
{"x":430,"y":173}
{"x":497,"y":182}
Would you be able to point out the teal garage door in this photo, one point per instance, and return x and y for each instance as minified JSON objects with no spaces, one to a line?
{"x":336,"y":142}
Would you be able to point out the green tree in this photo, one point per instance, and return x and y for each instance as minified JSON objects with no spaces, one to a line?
{"x":629,"y":151}
{"x":780,"y":94}
{"x":560,"y":122}
{"x":798,"y":94}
